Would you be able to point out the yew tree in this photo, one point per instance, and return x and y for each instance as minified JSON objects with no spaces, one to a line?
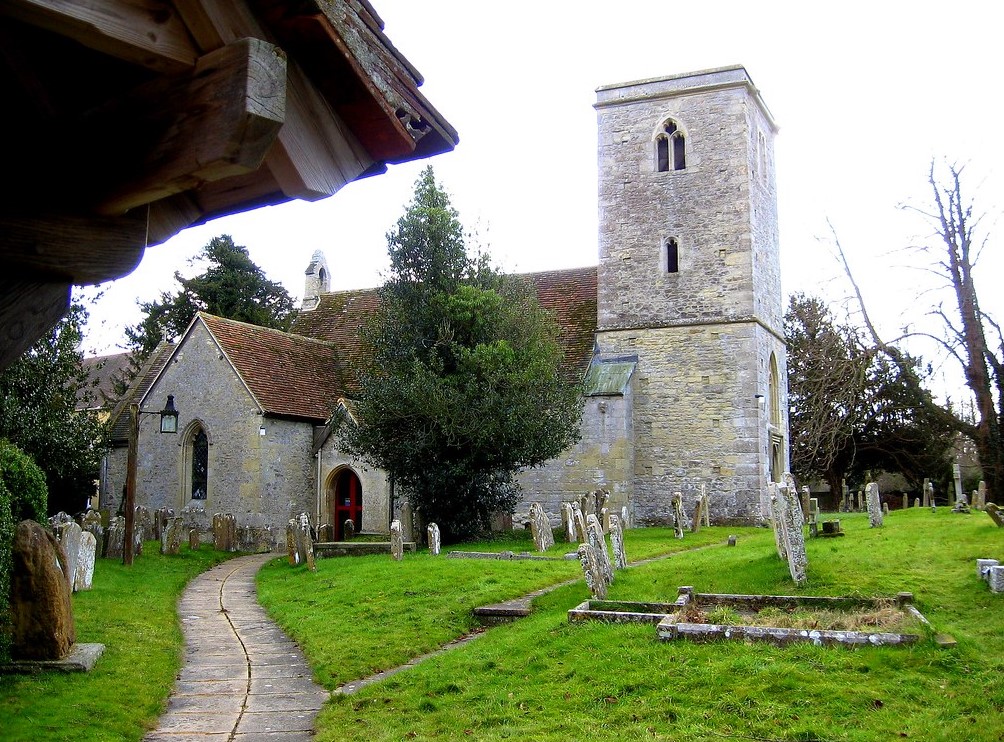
{"x":464,"y":385}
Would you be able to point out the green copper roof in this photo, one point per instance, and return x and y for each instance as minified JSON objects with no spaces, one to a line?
{"x":608,"y":378}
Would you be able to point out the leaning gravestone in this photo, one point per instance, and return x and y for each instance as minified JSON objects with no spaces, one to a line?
{"x":396,"y":541}
{"x":580,"y":523}
{"x":434,"y":538}
{"x":599,"y":544}
{"x":874,"y":505}
{"x":568,"y":520}
{"x":540,"y":527}
{"x":678,"y":517}
{"x":698,"y":520}
{"x":789,"y":511}
{"x":41,"y":612}
{"x":116,"y":537}
{"x":170,"y":536}
{"x":68,"y":535}
{"x":995,"y":514}
{"x":591,"y":569}
{"x":84,"y":575}
{"x":617,"y":542}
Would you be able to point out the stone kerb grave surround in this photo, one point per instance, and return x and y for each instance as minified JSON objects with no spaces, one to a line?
{"x":874,"y":505}
{"x":540,"y":527}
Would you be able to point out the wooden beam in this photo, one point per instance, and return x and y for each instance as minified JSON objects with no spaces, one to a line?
{"x":80,"y":249}
{"x":145,"y":32}
{"x":172,"y":135}
{"x":28,"y":309}
{"x":316,"y":153}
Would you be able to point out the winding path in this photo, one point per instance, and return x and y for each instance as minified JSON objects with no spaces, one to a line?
{"x":243,"y":679}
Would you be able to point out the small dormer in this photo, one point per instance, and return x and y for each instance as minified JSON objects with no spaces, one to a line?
{"x":318,"y":281}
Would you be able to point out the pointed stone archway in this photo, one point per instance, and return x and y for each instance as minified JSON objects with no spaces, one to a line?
{"x":345,"y":500}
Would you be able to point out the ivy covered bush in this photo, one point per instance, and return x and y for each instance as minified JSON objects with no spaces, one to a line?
{"x":23,"y":496}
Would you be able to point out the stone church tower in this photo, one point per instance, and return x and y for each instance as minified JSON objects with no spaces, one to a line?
{"x":317,"y":281}
{"x":689,"y":287}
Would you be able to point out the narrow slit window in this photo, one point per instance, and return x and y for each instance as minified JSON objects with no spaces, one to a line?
{"x":200,"y":465}
{"x":672,"y":255}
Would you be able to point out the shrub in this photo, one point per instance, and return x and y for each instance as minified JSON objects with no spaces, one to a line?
{"x":23,"y":496}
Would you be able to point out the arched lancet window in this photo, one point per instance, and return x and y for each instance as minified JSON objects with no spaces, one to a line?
{"x":671,"y":255}
{"x":670,"y":148}
{"x":196,"y":463}
{"x":775,"y":432}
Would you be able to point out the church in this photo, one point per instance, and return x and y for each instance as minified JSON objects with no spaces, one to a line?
{"x":676,"y":333}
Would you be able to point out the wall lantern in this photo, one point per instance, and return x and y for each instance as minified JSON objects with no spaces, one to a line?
{"x":169,"y":416}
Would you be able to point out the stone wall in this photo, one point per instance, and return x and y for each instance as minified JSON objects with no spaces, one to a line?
{"x":604,"y":457}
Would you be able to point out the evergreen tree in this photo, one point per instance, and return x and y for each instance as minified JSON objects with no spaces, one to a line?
{"x":464,"y":386}
{"x":39,"y":399}
{"x":231,"y":286}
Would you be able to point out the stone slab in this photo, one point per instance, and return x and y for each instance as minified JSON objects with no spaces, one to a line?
{"x":266,"y":722}
{"x":284,"y":702}
{"x":195,"y":723}
{"x":82,"y":658}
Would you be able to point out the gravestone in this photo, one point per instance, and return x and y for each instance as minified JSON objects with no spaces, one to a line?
{"x":957,"y":477}
{"x":600,"y":499}
{"x":605,"y":519}
{"x":291,"y":552}
{"x":396,"y":541}
{"x":625,"y":519}
{"x":68,"y":535}
{"x":580,"y":523}
{"x":961,"y":504}
{"x":591,"y":569}
{"x":160,"y":517}
{"x":406,"y":516}
{"x":434,"y":539}
{"x":540,"y":528}
{"x":995,"y":514}
{"x":928,"y":494}
{"x":996,"y":579}
{"x":906,"y":501}
{"x":568,"y":521}
{"x":84,"y":574}
{"x":116,"y":537}
{"x":41,"y":612}
{"x":348,"y":529}
{"x":193,"y":539}
{"x":861,"y":501}
{"x":599,"y":544}
{"x":813,"y":517}
{"x":806,"y":497}
{"x":874,"y":505}
{"x":731,"y":541}
{"x":617,"y":542}
{"x":678,"y":517}
{"x":774,"y":521}
{"x":225,"y":532}
{"x":983,"y":567}
{"x":142,"y":522}
{"x":255,"y":537}
{"x":698,"y":521}
{"x":58,"y":519}
{"x":304,"y":542}
{"x":789,"y":512}
{"x":885,"y":508}
{"x":981,"y":495}
{"x":916,"y":502}
{"x":325,"y":533}
{"x":91,"y":522}
{"x":766,"y":508}
{"x":171,"y":534}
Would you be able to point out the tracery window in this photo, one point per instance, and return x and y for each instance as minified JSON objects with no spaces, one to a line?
{"x":670,"y":148}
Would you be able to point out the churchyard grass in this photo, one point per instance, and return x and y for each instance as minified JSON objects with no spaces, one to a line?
{"x":542,"y":678}
{"x":133,"y":612}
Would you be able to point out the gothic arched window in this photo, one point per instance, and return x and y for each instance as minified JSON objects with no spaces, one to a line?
{"x":670,"y":148}
{"x":197,"y":463}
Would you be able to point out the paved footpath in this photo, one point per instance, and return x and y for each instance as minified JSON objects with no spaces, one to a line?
{"x":243,"y":679}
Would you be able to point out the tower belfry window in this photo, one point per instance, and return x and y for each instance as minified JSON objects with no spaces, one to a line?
{"x":672,"y":255}
{"x":670,"y":148}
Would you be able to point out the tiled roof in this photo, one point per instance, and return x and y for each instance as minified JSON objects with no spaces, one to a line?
{"x":101,"y":373}
{"x":289,"y":375}
{"x":119,"y":420}
{"x":570,"y":294}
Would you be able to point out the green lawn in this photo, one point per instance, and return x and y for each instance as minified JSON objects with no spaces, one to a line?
{"x":133,"y":612}
{"x":544,"y":679}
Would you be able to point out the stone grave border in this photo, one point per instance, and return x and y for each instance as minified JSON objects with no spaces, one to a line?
{"x":670,"y":628}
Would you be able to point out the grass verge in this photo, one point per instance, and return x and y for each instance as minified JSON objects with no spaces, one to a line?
{"x":133,"y":612}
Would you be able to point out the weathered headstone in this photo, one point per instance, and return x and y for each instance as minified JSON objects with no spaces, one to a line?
{"x":193,"y":539}
{"x":591,"y":569}
{"x":600,"y":499}
{"x":255,"y":537}
{"x":957,"y":477}
{"x":171,"y":534}
{"x":160,"y":520}
{"x":434,"y":539}
{"x":84,"y":574}
{"x":142,"y":522}
{"x":540,"y":527}
{"x":41,"y":612}
{"x":406,"y":516}
{"x":983,"y":567}
{"x":599,"y":544}
{"x":906,"y":501}
{"x":731,"y":541}
{"x":326,"y":533}
{"x":698,"y":520}
{"x":348,"y":529}
{"x":225,"y":532}
{"x":91,"y":522}
{"x":996,"y":579}
{"x":605,"y":519}
{"x":678,"y":516}
{"x":291,"y":552}
{"x":774,"y":521}
{"x":790,"y":513}
{"x":766,"y":507}
{"x":580,"y":523}
{"x":861,"y":501}
{"x":68,"y":535}
{"x":617,"y":542}
{"x":396,"y":541}
{"x":806,"y":497}
{"x":874,"y":505}
{"x":981,"y":495}
{"x":568,"y":521}
{"x":304,"y":542}
{"x":885,"y":508}
{"x":916,"y":502}
{"x":625,"y":518}
{"x":928,"y":493}
{"x":961,"y":504}
{"x":116,"y":537}
{"x":995,"y":514}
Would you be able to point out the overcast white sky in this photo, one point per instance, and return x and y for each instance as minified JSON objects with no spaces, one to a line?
{"x":865,"y":93}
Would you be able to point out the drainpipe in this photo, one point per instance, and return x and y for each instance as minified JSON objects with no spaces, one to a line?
{"x":317,"y":488}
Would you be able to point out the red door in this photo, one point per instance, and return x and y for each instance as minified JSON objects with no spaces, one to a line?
{"x":348,"y":502}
